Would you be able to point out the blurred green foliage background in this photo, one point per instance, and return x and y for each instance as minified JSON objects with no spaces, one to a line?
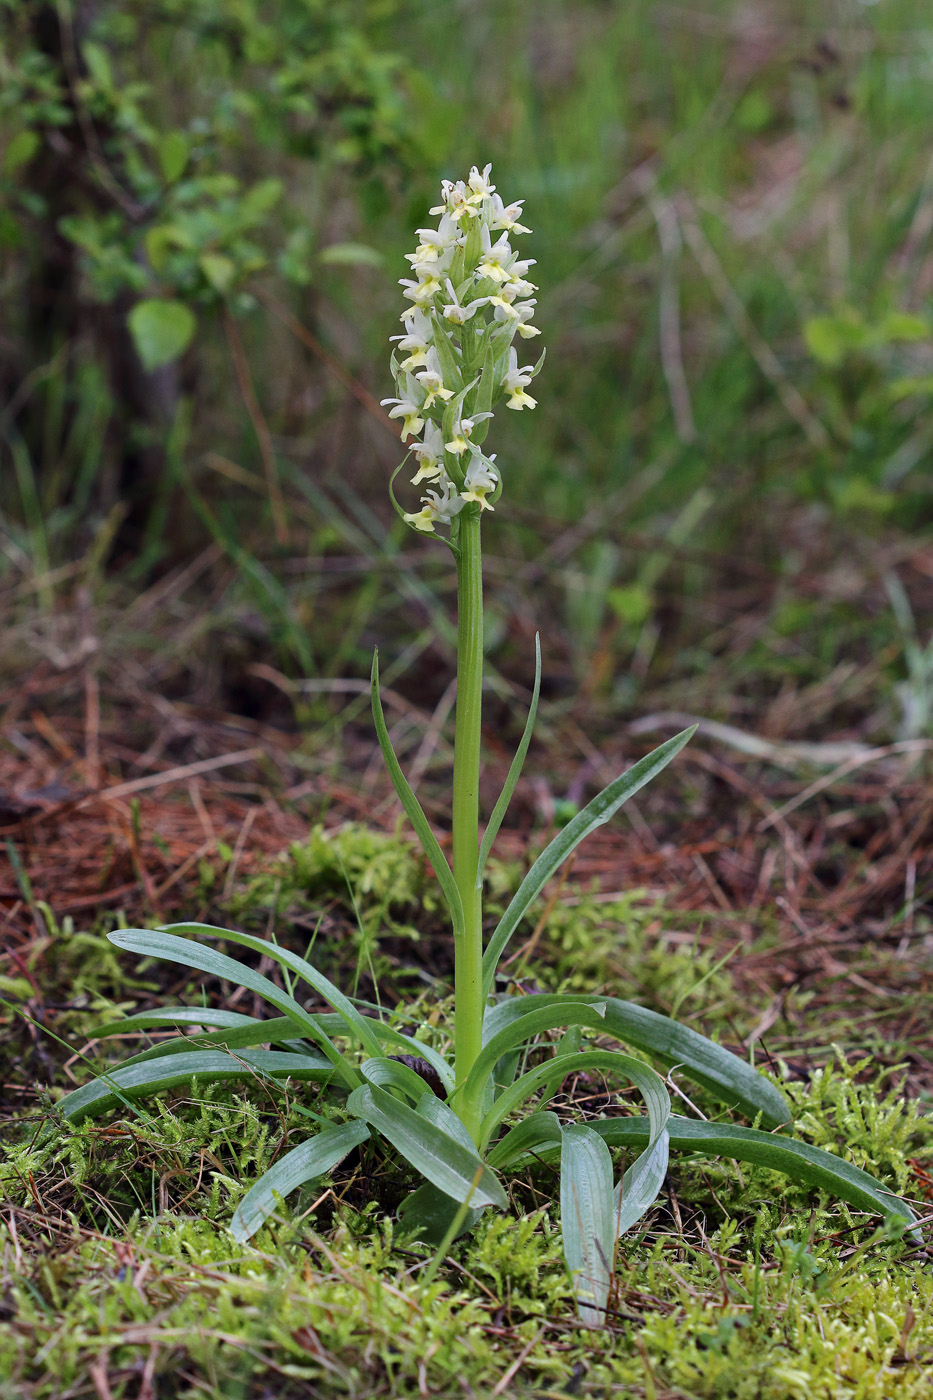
{"x":205,"y":207}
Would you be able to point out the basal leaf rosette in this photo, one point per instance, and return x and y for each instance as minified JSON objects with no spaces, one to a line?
{"x":470,"y":298}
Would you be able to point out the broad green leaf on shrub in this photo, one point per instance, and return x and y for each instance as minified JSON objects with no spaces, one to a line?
{"x":173,"y":149}
{"x":446,"y":1163}
{"x":20,"y":151}
{"x":311,"y":1159}
{"x":161,"y":330}
{"x":587,"y":1218}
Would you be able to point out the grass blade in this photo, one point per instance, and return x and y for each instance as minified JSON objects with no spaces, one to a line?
{"x":412,"y":806}
{"x":446,"y":1163}
{"x":313,"y":1158}
{"x":594,"y":815}
{"x":587,"y":1218}
{"x":505,"y":796}
{"x":734,"y":1082}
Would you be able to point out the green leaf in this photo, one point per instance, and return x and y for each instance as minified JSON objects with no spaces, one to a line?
{"x":236,"y":1030}
{"x":161,"y":330}
{"x":174,"y":1016}
{"x":427,"y":1215}
{"x":98,"y":65}
{"x":733,"y":1081}
{"x":278,"y":1030}
{"x":351,"y":255}
{"x":594,"y":815}
{"x":587,"y":1219}
{"x":562,"y":1012}
{"x":554,"y":1071}
{"x":505,"y":796}
{"x":539,"y":1132}
{"x":389,"y":1074}
{"x":443,"y":1117}
{"x":188,"y":953}
{"x":173,"y":149}
{"x":313,"y":1158}
{"x":20,"y":151}
{"x":830,"y":338}
{"x":171,"y":1071}
{"x":446,"y":1163}
{"x":218,"y":270}
{"x":412,"y":806}
{"x":642,"y":1183}
{"x":356,"y":1024}
{"x":797,"y":1160}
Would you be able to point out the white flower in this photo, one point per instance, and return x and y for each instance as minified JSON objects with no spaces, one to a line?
{"x":462,"y":432}
{"x":436,"y":248}
{"x":479,"y":184}
{"x":430,"y":455}
{"x":437,"y":507}
{"x":422,"y":291}
{"x":480,"y":478}
{"x":457,"y":202}
{"x":410,"y":413}
{"x":432,"y":381}
{"x":454,"y":312}
{"x":505,"y":216}
{"x":515,"y":383}
{"x":417,"y":338}
{"x":496,"y":258}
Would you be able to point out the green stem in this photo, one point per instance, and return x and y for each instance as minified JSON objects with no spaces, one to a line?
{"x":468,"y":967}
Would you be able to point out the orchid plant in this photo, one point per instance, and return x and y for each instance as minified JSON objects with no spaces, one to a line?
{"x":461,"y":1118}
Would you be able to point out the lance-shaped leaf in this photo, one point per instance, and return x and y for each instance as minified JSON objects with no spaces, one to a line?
{"x":641,"y":1183}
{"x":733,"y":1081}
{"x":537,"y":1134}
{"x":552,"y":1072}
{"x":412,"y":806}
{"x":446,"y":1163}
{"x":470,"y":1095}
{"x":797,"y":1160}
{"x":189,"y":953}
{"x":249,"y":1030}
{"x":426,"y":1214}
{"x":357,"y":1025}
{"x":173,"y":1071}
{"x":505,"y":796}
{"x":593,"y":815}
{"x":389,"y":1074}
{"x":587,"y":1218}
{"x":316,"y":1157}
